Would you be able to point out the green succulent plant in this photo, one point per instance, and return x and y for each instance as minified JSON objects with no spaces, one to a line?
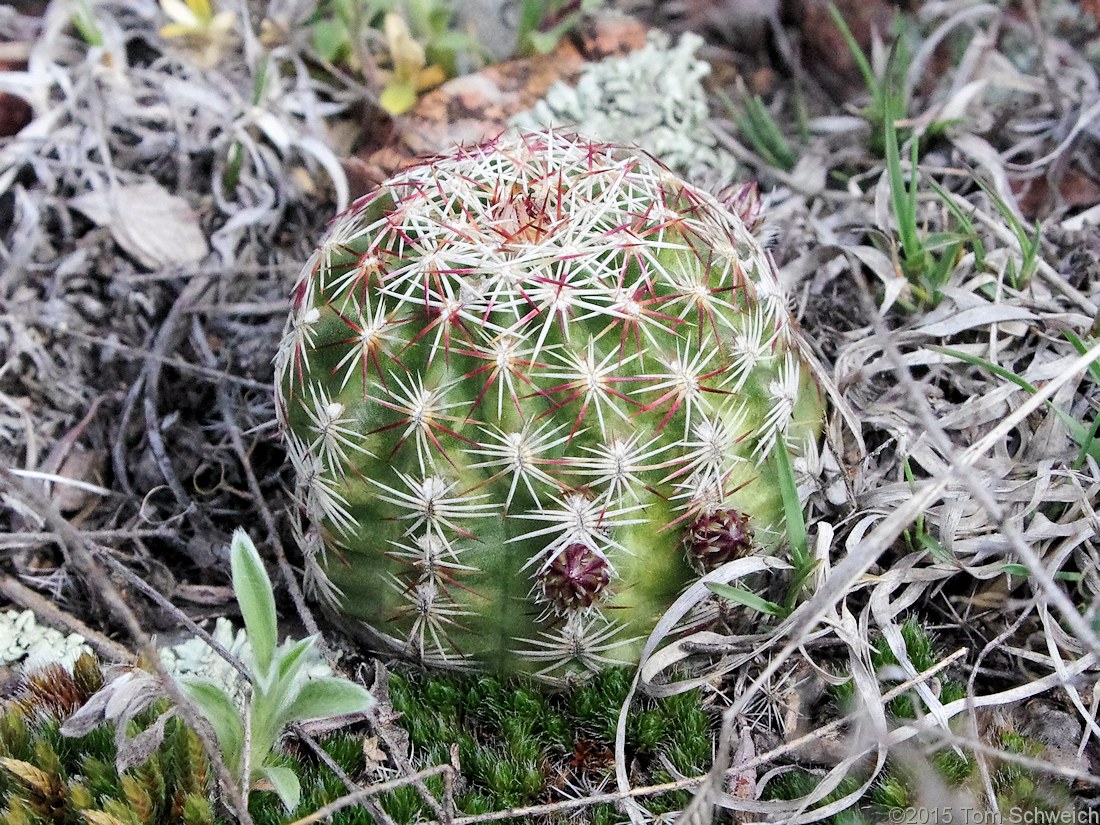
{"x":283,"y":690}
{"x":531,"y":390}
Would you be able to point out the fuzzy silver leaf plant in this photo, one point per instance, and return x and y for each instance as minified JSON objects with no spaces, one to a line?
{"x":531,"y":390}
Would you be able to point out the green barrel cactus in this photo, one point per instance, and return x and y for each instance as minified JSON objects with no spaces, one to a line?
{"x":531,"y":389}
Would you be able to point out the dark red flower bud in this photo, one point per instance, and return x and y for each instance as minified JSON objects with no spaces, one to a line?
{"x":575,"y":579}
{"x":716,"y":538}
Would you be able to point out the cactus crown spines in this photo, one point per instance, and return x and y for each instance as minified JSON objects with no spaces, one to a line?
{"x":524,"y":347}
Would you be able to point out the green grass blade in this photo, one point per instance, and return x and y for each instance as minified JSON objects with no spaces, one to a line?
{"x":903,"y":198}
{"x":801,"y":558}
{"x":765,"y":135}
{"x":1084,"y":436}
{"x":1082,"y":348}
{"x":864,"y":65}
{"x":1021,"y":570}
{"x":748,"y":599}
{"x":792,"y":508}
{"x":997,"y":370}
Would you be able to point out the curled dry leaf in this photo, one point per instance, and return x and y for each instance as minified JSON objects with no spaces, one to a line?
{"x":979,"y":316}
{"x":374,"y":755}
{"x":123,"y":697}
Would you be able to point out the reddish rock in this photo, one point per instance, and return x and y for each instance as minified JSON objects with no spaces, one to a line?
{"x":15,"y":112}
{"x":825,"y":52}
{"x":1092,"y":7}
{"x":476,"y":107}
{"x":1075,"y":190}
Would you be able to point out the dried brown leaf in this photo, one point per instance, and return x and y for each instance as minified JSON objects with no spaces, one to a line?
{"x":154,"y":227}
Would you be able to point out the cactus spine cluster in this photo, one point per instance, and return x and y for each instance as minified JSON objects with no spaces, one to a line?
{"x":530,"y":389}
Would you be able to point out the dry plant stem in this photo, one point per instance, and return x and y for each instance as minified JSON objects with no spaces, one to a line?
{"x":147,"y":380}
{"x":304,"y":613}
{"x":230,"y":420}
{"x":32,"y":538}
{"x":1006,"y":697}
{"x":15,"y":52}
{"x":58,"y":618}
{"x":1054,"y":94}
{"x":251,"y":309}
{"x":918,"y":67}
{"x":177,"y":363}
{"x":97,"y":581}
{"x":164,"y":604}
{"x":397,"y":754}
{"x":56,"y":457}
{"x":982,"y":497}
{"x":236,"y":271}
{"x":160,"y":455}
{"x":321,"y":814}
{"x":166,"y":340}
{"x":373,"y":808}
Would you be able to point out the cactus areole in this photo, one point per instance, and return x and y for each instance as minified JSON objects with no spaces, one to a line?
{"x":525,"y":387}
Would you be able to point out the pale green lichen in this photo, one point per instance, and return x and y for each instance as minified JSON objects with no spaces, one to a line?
{"x":27,"y":644}
{"x":653,"y":97}
{"x":195,"y":659}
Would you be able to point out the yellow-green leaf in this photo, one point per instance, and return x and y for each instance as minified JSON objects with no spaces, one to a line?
{"x":397,"y":98}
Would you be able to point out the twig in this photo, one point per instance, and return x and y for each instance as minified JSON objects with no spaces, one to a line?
{"x":160,"y":453}
{"x":186,"y":273}
{"x":225,"y":407}
{"x":353,"y":799}
{"x":164,"y":604}
{"x":375,"y":810}
{"x":394,"y":747}
{"x":31,"y":538}
{"x":99,"y":583}
{"x":54,"y":616}
{"x":258,"y":308}
{"x":1034,"y":18}
{"x":168,"y":360}
{"x":147,"y":382}
{"x":56,"y":457}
